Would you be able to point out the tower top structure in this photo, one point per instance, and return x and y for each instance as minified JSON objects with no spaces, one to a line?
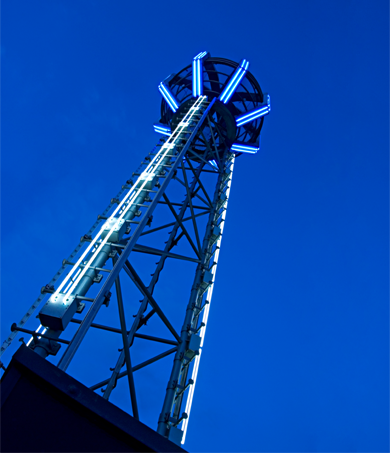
{"x":240,"y":104}
{"x":212,"y":111}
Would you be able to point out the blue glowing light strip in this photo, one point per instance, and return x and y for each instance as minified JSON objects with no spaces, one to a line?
{"x":168,"y":96}
{"x":200,"y":55}
{"x":254,"y":114}
{"x":244,"y":148}
{"x":199,"y":68}
{"x":165,"y":130}
{"x":197,"y":72}
{"x":234,"y":82}
{"x":194,"y":79}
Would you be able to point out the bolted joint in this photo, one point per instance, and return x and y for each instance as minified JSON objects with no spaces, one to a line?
{"x":177,"y":421}
{"x":107,"y":298}
{"x":164,"y":418}
{"x":47,"y":289}
{"x":172,"y":384}
{"x":58,"y":311}
{"x":50,"y":346}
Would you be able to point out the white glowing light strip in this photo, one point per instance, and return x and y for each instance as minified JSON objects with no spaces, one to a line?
{"x":206,"y":311}
{"x":31,"y":339}
{"x":128,"y":199}
{"x":71,"y":281}
{"x":37,"y":331}
{"x":148,"y":171}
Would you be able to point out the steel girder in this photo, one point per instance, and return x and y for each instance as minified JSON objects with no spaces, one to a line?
{"x":95,"y":262}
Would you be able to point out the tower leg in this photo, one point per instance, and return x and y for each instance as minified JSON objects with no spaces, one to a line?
{"x":184,"y":354}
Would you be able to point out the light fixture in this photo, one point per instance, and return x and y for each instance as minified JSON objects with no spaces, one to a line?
{"x":264,"y":109}
{"x":169,"y":97}
{"x":234,"y":81}
{"x":197,"y":74}
{"x":238,"y":148}
{"x":161,"y":129}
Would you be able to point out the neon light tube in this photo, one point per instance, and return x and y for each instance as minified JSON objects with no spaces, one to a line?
{"x":197,"y":74}
{"x":234,"y":81}
{"x":161,"y":129}
{"x":200,"y":55}
{"x":199,"y":77}
{"x":235,"y":85}
{"x":194,"y":79}
{"x":169,"y":97}
{"x":244,"y":148}
{"x":254,"y":114}
{"x":37,"y":331}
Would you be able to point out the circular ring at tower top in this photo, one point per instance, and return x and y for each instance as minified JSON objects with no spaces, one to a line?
{"x":217,"y":72}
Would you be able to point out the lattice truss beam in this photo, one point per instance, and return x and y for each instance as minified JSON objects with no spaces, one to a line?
{"x":111,"y":259}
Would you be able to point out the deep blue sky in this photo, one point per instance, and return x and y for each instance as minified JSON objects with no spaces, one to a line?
{"x":296,"y":356}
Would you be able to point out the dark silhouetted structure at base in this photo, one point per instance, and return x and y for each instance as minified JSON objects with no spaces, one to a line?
{"x":44,"y":409}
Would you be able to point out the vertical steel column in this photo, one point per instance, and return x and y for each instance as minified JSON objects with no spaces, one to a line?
{"x":164,"y":419}
{"x":122,"y":319}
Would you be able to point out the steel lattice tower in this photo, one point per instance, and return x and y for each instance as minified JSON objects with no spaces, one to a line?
{"x":212,"y":111}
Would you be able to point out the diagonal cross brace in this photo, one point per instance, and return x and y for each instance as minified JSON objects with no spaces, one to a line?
{"x":94,"y":309}
{"x":152,"y":251}
{"x":152,"y":301}
{"x":116,"y":373}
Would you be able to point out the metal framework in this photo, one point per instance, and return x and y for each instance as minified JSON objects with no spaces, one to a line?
{"x":211,"y":112}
